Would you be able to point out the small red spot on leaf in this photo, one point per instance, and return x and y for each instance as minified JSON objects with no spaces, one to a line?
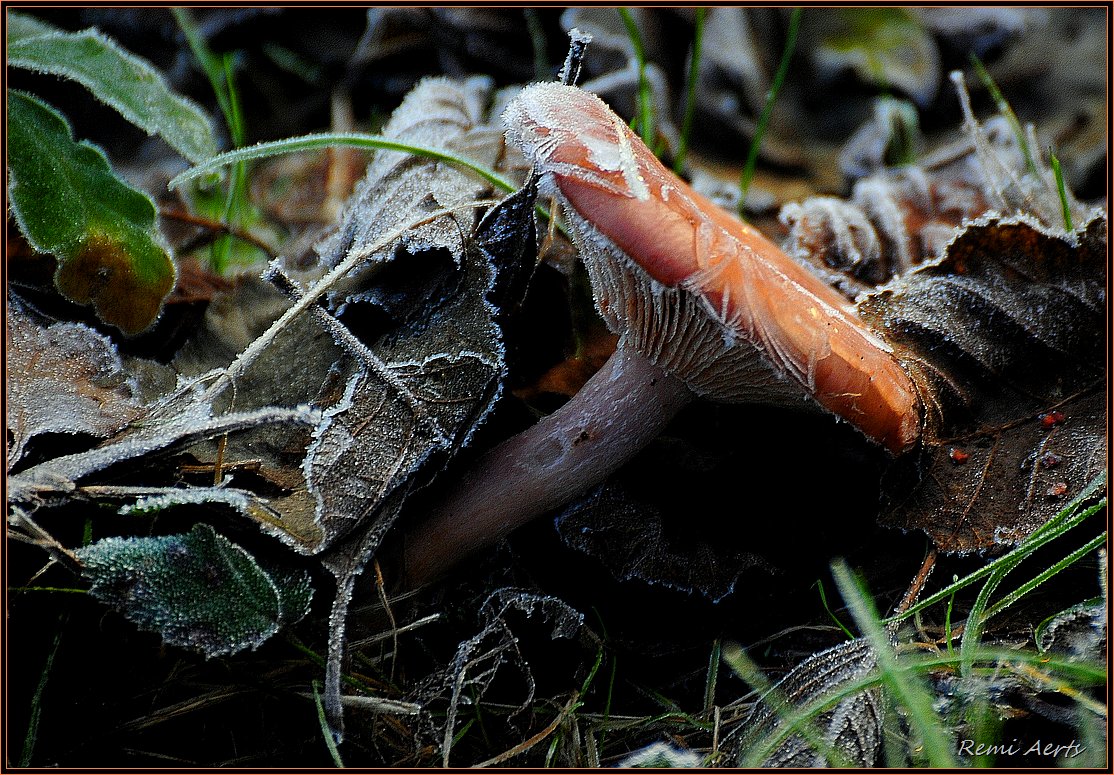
{"x":1058,"y":490}
{"x":1050,"y":419}
{"x":958,"y":456}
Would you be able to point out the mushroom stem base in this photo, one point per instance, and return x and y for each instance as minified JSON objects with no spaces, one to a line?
{"x":623,"y":407}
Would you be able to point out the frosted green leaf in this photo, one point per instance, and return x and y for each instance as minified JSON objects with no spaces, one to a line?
{"x":197,"y":590}
{"x":20,"y":27}
{"x":68,"y":202}
{"x":118,"y":78}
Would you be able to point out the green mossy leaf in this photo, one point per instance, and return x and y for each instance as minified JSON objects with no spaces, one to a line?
{"x":197,"y":590}
{"x":116,"y":77}
{"x":68,"y":202}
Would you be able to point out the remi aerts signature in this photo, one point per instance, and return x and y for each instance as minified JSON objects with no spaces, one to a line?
{"x":1037,"y":747}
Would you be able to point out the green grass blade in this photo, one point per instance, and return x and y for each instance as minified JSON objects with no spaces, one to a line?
{"x":802,"y":724}
{"x":1052,"y":529}
{"x":1061,"y":190}
{"x":120,"y":79}
{"x":1081,"y":673}
{"x":1094,"y":544}
{"x":768,"y":108}
{"x":1066,"y":519}
{"x":326,"y":732}
{"x":948,"y":619}
{"x":32,"y":734}
{"x":906,"y":686}
{"x":831,"y":613}
{"x":236,"y":125}
{"x":1093,"y":734}
{"x":236,"y":209}
{"x":587,"y":682}
{"x":972,"y":630}
{"x":537,"y":43}
{"x":712,"y":677}
{"x":1005,"y":109}
{"x":645,"y":119}
{"x":321,"y":662}
{"x":612,"y":673}
{"x":313,"y":142}
{"x":690,"y":91}
{"x":211,"y":65}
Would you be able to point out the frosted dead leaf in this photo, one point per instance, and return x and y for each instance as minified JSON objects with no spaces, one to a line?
{"x":852,"y":728}
{"x":438,"y":113}
{"x":1004,"y":340}
{"x":62,"y":378}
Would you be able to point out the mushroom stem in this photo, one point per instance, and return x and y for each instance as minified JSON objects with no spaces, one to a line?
{"x":624,"y":406}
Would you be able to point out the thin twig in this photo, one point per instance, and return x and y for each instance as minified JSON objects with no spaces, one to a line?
{"x":217,"y":227}
{"x":916,"y":586}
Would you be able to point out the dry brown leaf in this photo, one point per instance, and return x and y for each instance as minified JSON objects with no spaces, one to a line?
{"x":1004,"y":339}
{"x":441,"y":114}
{"x":62,"y":378}
{"x":633,"y":538}
{"x":433,"y":359}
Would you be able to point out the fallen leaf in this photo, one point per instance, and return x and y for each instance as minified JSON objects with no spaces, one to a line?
{"x":897,"y":219}
{"x":661,"y":755}
{"x":438,"y":113}
{"x":175,"y":421}
{"x":432,"y":366}
{"x":852,"y":728}
{"x":399,"y":399}
{"x":631,"y":538}
{"x":62,"y":378}
{"x":1004,"y":340}
{"x":197,"y":590}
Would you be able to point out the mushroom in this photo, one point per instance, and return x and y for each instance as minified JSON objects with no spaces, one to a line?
{"x":704,"y":305}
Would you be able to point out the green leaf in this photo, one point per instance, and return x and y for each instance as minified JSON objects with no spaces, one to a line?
{"x":198,"y":590}
{"x":20,"y":27}
{"x":118,"y":78}
{"x":68,"y":202}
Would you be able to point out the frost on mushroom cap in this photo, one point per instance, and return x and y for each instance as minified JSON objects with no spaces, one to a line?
{"x":696,"y":290}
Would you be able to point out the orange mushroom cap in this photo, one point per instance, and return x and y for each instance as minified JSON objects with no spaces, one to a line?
{"x":660,"y":255}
